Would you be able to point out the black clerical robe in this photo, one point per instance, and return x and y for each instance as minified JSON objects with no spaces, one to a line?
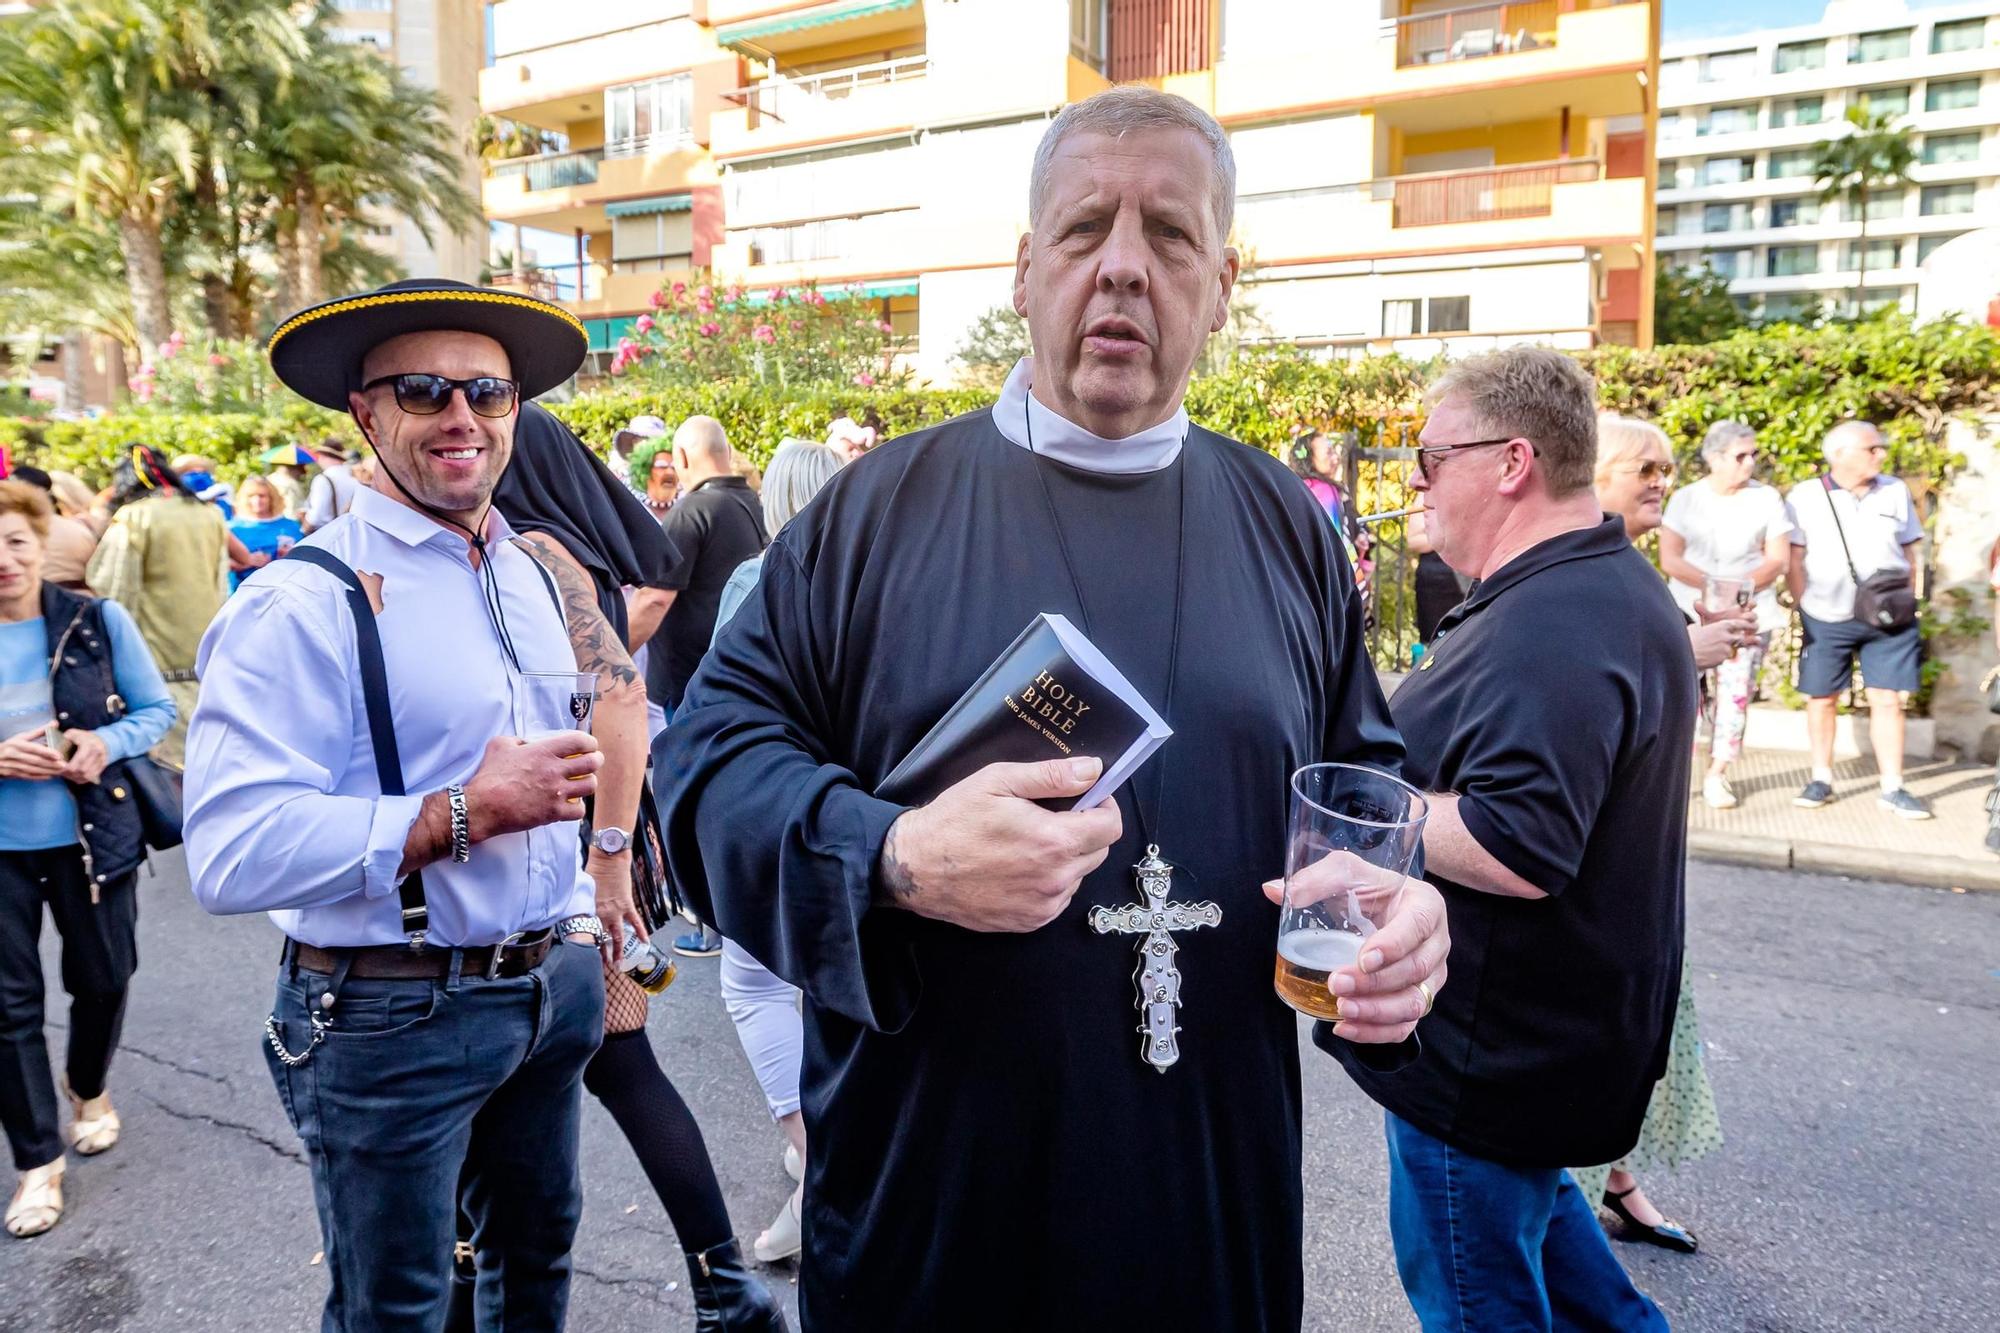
{"x":988,"y":1150}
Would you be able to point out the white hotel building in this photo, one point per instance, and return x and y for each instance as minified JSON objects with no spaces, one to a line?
{"x":1741,"y":120}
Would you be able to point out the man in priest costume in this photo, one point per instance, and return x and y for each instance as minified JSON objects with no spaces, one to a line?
{"x":994,"y":1145}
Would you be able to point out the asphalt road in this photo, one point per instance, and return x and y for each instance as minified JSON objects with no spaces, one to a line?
{"x":1854,"y":1041}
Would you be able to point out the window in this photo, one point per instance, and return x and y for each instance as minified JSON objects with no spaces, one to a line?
{"x":1731,"y":264}
{"x":1951,"y":94}
{"x":1663,"y":221}
{"x":1885,"y":207}
{"x":1964,"y":35}
{"x":1437,"y":314}
{"x":1800,"y":55}
{"x":1787,"y":162}
{"x":1873,"y":46}
{"x":1794,"y":212}
{"x":1728,"y":65}
{"x":1670,"y":176}
{"x":652,"y":242}
{"x":1677,"y":125}
{"x":1940,"y":149}
{"x":1886,"y":101}
{"x":1730,"y":120}
{"x":1727,"y":170}
{"x":1791,"y":305}
{"x":1797,"y":111}
{"x":1927,"y":244}
{"x":1725,"y":217}
{"x":643,"y":116}
{"x":1087,"y":32}
{"x":1939,"y":200}
{"x":384,"y":6}
{"x":1789,"y":261}
{"x":1881,"y":255}
{"x":375,"y":37}
{"x":1676,"y":72}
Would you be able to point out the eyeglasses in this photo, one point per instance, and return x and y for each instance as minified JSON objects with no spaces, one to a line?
{"x":1424,"y":451}
{"x":427,"y":395}
{"x":1649,"y":471}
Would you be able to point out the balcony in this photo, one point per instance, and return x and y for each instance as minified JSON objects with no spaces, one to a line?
{"x":782,"y":27}
{"x":556,"y":85}
{"x":855,"y":247}
{"x":1522,"y":61}
{"x":551,"y":171}
{"x":857,"y":102}
{"x":1530,"y":206}
{"x":1437,"y":198}
{"x":591,"y":290}
{"x":567,"y":191}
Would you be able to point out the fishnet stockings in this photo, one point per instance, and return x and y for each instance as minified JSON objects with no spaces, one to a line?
{"x":625,"y":1002}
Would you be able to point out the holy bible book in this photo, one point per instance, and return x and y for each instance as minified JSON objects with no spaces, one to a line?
{"x":1051,"y":695}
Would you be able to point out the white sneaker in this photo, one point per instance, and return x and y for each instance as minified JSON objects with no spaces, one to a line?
{"x":795,"y":1165}
{"x":1715,"y":791}
{"x":784,"y":1238}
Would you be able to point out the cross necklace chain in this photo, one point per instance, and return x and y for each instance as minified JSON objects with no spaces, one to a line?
{"x":1156,"y":916}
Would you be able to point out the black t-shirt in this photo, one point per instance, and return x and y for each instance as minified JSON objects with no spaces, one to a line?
{"x":1559,"y":702}
{"x":716,"y":526}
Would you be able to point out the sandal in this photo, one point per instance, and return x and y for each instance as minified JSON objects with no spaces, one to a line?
{"x":1669,"y":1235}
{"x":94,"y":1125}
{"x":38,"y":1201}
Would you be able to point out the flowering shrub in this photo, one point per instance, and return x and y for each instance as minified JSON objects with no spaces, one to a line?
{"x":790,"y":337}
{"x":206,"y":375}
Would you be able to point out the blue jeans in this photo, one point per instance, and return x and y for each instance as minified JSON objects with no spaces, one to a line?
{"x":414,"y":1080}
{"x":1482,"y":1246}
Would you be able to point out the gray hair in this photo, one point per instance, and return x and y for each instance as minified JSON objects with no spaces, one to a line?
{"x":1721,"y":437}
{"x":794,"y":475}
{"x":1846,"y":435}
{"x":1539,"y":394}
{"x":1620,"y":438}
{"x":1129,"y":109}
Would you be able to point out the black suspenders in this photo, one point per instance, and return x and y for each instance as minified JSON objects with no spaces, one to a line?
{"x":381,"y":722}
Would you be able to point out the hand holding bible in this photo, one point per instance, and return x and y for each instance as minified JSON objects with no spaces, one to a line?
{"x":985,"y":856}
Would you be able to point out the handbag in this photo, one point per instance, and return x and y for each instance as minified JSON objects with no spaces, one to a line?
{"x":157,"y":794}
{"x":1884,"y":600}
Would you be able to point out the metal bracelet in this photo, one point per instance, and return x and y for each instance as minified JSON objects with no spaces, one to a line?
{"x":461,"y":825}
{"x":584,"y":925}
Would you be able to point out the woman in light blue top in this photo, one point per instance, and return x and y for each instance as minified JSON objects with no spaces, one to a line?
{"x":79,"y":696}
{"x":764,"y":1007}
{"x":265,"y":529}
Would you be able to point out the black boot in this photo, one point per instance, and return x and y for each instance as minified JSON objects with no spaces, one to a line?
{"x":728,"y":1297}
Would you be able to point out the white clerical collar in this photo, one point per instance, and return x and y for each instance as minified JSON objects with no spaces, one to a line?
{"x":1018,"y":413}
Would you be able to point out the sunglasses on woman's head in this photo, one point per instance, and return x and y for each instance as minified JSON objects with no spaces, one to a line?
{"x":424,"y":395}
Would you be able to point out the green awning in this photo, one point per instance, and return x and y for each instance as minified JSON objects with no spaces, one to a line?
{"x":818,"y":16}
{"x":605,"y":333}
{"x":664,"y":203}
{"x":872,"y":290}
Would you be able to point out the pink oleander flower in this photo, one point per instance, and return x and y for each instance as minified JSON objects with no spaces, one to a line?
{"x":217,"y":359}
{"x":886,"y":327}
{"x":865,"y":380}
{"x":704,"y":292}
{"x":735,"y":292}
{"x":764,"y":333}
{"x":778,"y":295}
{"x":656,"y":300}
{"x":709,"y":330}
{"x":625,"y":346}
{"x":644,"y":324}
{"x":704,"y":306}
{"x":679,"y":288}
{"x":814,"y":298}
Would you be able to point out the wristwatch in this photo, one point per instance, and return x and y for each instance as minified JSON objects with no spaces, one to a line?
{"x":584,"y":925}
{"x":610,"y":841}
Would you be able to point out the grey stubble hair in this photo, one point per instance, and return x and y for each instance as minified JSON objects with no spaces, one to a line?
{"x":1130,"y":109}
{"x":1539,"y":394}
{"x":1721,"y":436}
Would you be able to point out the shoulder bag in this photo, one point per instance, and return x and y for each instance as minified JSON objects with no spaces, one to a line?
{"x":1884,"y":600}
{"x":156,"y":791}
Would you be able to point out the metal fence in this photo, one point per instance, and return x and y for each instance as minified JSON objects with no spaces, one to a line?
{"x":1376,"y":463}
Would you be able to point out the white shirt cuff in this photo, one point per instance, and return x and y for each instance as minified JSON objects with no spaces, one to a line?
{"x":388,"y":831}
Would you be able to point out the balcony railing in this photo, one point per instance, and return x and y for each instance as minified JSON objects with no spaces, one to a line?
{"x":555,"y":282}
{"x":1477,"y":31}
{"x":553,"y":171}
{"x":784,"y":99}
{"x":1486,"y":195}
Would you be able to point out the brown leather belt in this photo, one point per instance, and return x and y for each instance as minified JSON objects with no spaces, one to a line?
{"x":399,"y":962}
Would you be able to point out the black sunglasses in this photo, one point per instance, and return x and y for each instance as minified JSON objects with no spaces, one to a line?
{"x":1424,"y":452}
{"x":424,"y":395}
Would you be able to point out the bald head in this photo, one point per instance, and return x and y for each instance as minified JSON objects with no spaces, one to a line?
{"x":1854,"y":453}
{"x":701,"y":450}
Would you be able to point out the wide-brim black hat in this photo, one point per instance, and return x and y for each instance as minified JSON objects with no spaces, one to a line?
{"x":317,"y":353}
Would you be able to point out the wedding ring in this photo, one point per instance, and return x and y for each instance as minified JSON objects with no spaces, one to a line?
{"x":1429,"y":999}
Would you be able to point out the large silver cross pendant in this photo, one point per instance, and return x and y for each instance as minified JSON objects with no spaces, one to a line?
{"x":1157,"y":979}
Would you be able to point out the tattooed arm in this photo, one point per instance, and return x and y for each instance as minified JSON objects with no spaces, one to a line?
{"x":619,"y":724}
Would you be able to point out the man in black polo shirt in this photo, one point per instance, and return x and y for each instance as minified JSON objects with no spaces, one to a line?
{"x":716,"y":525}
{"x":1555,"y":716}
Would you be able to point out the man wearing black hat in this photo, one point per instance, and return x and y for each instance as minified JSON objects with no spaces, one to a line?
{"x":357,"y":769}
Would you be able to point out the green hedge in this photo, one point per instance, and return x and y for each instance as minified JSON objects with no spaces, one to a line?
{"x":1789,"y":383}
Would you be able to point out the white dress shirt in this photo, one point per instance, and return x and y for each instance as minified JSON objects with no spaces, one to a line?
{"x":1877,"y":527}
{"x":1018,"y":414}
{"x":284,"y":812}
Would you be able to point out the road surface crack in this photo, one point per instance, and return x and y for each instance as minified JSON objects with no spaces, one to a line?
{"x":650,"y":1286}
{"x":251,"y":1132}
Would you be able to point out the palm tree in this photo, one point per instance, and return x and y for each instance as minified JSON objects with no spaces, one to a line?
{"x":1874,"y":155}
{"x":106,"y":98}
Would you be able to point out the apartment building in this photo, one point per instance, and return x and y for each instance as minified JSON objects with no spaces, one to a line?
{"x":440,"y":44}
{"x":1741,"y":122}
{"x":1413,"y":176}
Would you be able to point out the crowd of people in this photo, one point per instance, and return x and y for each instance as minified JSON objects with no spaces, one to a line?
{"x":479,"y":717}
